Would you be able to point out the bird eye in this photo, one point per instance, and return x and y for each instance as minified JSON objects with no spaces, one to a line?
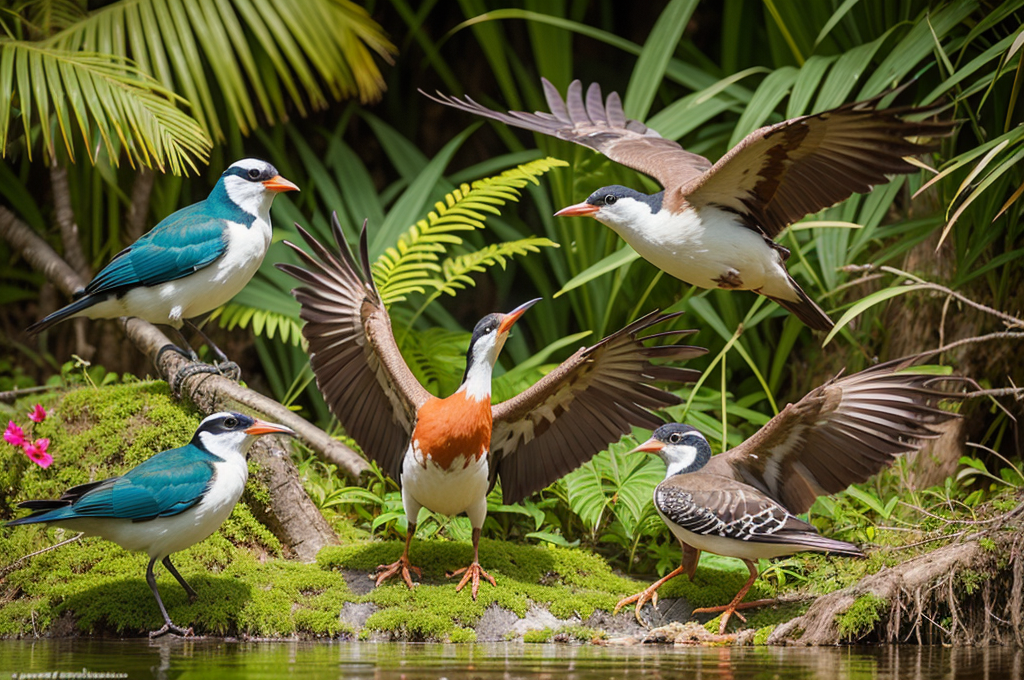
{"x":230,"y":423}
{"x":253,"y":173}
{"x":675,"y":438}
{"x":610,"y":199}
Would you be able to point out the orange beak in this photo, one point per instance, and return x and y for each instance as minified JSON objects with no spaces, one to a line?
{"x":509,"y":319}
{"x":278,"y":184}
{"x":263,"y":427}
{"x":650,"y":446}
{"x":578,"y":210}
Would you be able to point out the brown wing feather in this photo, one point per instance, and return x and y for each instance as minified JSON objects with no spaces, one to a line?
{"x":840,"y":433}
{"x":599,"y":126}
{"x":586,"y":403}
{"x":782,"y":172}
{"x":355,"y":359}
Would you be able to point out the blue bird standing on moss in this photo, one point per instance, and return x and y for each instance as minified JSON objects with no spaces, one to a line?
{"x":192,"y":262}
{"x":167,"y":503}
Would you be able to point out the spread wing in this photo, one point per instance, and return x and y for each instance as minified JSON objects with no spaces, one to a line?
{"x":582,"y":406}
{"x":601,"y":126}
{"x":782,"y":172}
{"x":840,"y":433}
{"x":358,"y":368}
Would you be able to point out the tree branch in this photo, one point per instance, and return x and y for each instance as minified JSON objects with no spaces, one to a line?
{"x":142,"y":189}
{"x":73,"y":254}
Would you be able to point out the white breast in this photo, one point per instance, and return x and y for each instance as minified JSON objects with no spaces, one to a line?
{"x":460,"y":488}
{"x":700,"y":247}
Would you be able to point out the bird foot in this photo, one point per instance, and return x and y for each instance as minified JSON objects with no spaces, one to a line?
{"x":728,"y":610}
{"x":189,"y":354}
{"x":386,"y":571}
{"x":472,"y":573}
{"x":187,"y":372}
{"x":170,"y":628}
{"x":641,"y":598}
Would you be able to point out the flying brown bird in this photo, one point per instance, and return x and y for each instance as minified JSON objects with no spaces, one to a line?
{"x":714,"y":225}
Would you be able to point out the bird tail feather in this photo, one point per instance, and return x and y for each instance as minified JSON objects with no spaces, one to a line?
{"x":805,"y":309}
{"x":75,"y":307}
{"x":814,"y":542}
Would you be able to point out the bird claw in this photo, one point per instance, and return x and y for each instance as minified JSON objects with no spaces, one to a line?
{"x":228,"y":369}
{"x":170,"y":628}
{"x":641,"y":598}
{"x":472,"y":573}
{"x":386,"y":571}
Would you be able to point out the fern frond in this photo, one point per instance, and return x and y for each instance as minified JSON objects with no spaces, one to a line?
{"x":264,"y":322}
{"x":456,"y":270}
{"x":412,"y":265}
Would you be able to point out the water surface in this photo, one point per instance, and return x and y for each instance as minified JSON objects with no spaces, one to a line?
{"x":225,"y":660}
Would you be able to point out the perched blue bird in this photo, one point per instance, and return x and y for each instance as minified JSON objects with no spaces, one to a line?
{"x":166,"y":504}
{"x":192,"y":262}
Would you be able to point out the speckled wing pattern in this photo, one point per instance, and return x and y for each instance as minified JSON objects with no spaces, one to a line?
{"x":589,"y":401}
{"x":840,"y":433}
{"x":782,"y":172}
{"x":358,"y":368}
{"x":599,"y":125}
{"x":711,"y":505}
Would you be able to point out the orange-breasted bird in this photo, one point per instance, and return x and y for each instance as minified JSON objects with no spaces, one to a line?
{"x":447,"y":454}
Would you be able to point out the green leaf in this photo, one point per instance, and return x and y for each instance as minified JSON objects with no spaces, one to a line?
{"x":867,"y":302}
{"x":657,"y":52}
{"x":622,"y":257}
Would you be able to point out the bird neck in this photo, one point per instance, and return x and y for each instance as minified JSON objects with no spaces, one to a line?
{"x":476,"y":384}
{"x":236,"y":205}
{"x":682,"y":459}
{"x":223,"y":446}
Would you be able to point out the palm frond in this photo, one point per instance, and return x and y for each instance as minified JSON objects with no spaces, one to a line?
{"x":241,"y":55}
{"x":111,"y":103}
{"x":412,"y":265}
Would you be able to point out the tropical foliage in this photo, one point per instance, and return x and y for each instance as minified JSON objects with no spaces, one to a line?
{"x":705,"y":74}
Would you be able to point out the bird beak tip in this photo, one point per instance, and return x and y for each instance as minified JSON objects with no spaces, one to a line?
{"x":649,"y":446}
{"x":509,"y":319}
{"x":262,"y":427}
{"x":578,"y":210}
{"x":279,"y":184}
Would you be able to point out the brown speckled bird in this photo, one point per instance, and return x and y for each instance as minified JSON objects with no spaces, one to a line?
{"x":742,"y":503}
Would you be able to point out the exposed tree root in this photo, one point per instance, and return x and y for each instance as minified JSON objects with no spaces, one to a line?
{"x":967,"y":592}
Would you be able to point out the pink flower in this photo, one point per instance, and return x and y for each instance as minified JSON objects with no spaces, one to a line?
{"x":14,"y":435}
{"x":38,"y":414}
{"x":37,"y":452}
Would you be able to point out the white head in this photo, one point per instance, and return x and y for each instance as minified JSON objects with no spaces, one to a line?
{"x":489,"y":337}
{"x":683,"y":448}
{"x":252,"y":184}
{"x":227,"y":434}
{"x":620,"y":208}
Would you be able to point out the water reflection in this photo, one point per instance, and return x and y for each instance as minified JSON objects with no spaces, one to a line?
{"x":225,"y":660}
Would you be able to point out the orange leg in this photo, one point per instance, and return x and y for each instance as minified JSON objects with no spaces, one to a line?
{"x":688,"y":566}
{"x":729,"y":609}
{"x":403,"y":566}
{"x":474,"y":571}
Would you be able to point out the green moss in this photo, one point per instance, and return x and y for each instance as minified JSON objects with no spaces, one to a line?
{"x":577,"y":634}
{"x":460,"y":635}
{"x":860,"y":618}
{"x":988,"y":545}
{"x":537,"y":636}
{"x":971,"y":580}
{"x":102,"y":432}
{"x":761,"y":636}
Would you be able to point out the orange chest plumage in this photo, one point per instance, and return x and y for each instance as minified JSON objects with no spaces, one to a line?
{"x":447,"y":429}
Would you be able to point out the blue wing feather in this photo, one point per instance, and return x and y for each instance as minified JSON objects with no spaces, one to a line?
{"x":165,"y":485}
{"x":182,"y":243}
